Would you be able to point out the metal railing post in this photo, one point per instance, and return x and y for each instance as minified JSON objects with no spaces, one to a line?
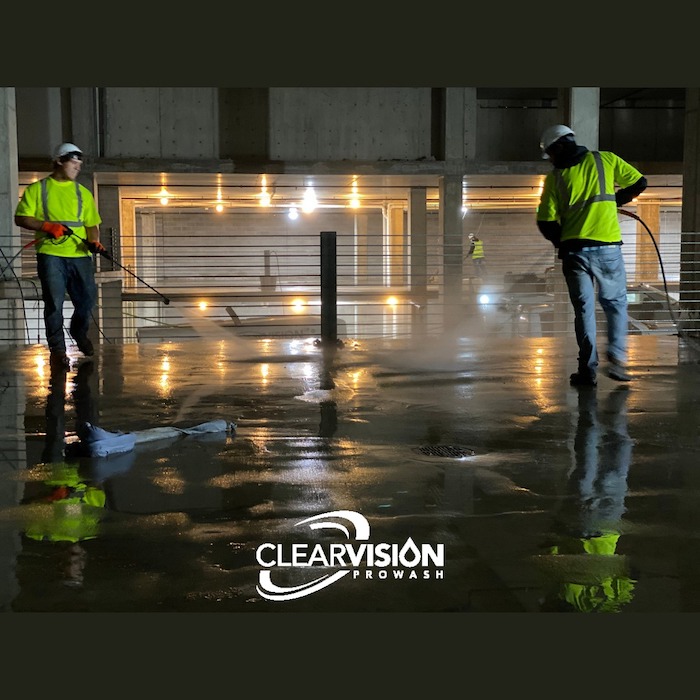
{"x":329,"y":291}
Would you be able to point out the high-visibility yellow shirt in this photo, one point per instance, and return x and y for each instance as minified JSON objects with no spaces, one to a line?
{"x":66,"y":202}
{"x":582,"y":198}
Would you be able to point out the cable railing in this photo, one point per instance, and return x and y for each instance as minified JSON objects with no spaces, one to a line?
{"x":268,"y":284}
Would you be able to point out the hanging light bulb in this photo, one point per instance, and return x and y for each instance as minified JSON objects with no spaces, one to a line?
{"x":219,"y":201}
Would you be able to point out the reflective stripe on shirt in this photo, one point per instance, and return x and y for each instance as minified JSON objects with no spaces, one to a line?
{"x":45,"y":204}
{"x":565,"y":193}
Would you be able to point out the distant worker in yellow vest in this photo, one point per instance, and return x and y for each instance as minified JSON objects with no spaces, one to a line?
{"x":577,"y":213}
{"x":476,"y":252}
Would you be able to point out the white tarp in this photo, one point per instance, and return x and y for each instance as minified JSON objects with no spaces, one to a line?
{"x":98,"y":442}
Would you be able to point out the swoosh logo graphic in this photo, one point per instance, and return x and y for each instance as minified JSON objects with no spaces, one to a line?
{"x":270,"y":591}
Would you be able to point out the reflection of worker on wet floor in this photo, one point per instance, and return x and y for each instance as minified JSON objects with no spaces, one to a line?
{"x":64,"y":506}
{"x":593,"y":577}
{"x":476,"y":253}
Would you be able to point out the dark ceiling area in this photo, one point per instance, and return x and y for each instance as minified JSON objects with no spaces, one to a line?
{"x":609,"y":96}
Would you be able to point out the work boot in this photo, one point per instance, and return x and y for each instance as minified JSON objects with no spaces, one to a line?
{"x":58,"y":360}
{"x":84,"y":345}
{"x":582,"y":379}
{"x":616,"y":370}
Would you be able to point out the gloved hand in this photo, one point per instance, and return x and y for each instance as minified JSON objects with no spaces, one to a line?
{"x":95,"y":247}
{"x":55,"y":230}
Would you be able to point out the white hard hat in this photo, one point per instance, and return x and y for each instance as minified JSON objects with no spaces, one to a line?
{"x":552,"y":134}
{"x":64,"y":149}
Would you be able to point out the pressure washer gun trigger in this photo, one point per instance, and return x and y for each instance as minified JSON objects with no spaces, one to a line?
{"x":55,"y":230}
{"x":97,"y":248}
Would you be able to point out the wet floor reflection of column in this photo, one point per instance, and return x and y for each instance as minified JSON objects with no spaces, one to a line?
{"x":14,"y":461}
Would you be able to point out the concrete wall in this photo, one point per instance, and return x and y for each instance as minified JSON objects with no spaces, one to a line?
{"x":350,"y":123}
{"x":157,"y":122}
{"x":327,"y":124}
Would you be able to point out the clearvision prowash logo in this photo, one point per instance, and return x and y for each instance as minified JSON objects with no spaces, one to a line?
{"x":357,"y":557}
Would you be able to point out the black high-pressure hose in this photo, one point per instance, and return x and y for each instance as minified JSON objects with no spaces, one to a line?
{"x":674,"y":318}
{"x":14,"y":257}
{"x":103,"y":253}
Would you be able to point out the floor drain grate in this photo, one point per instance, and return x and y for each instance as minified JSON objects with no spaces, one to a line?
{"x":445,"y":451}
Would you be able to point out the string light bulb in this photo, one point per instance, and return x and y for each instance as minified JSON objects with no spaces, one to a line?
{"x":309,"y":203}
{"x":354,"y":197}
{"x":164,"y":195}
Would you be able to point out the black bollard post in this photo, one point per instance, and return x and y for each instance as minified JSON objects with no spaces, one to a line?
{"x":329,"y":292}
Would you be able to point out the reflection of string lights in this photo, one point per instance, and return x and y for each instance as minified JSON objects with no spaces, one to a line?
{"x":393,"y":302}
{"x":356,"y":376}
{"x":298,"y":305}
{"x":293,"y":213}
{"x":164,"y":381}
{"x":40,"y":365}
{"x":264,"y":372}
{"x":202,"y":305}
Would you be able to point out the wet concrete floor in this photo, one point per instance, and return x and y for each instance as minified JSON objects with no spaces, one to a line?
{"x":381,"y":476}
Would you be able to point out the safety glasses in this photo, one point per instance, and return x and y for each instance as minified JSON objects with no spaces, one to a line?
{"x":70,"y":156}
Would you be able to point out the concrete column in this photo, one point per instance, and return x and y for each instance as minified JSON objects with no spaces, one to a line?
{"x":110,"y":309}
{"x":418,"y":267}
{"x":85,"y":127}
{"x":450,"y":188}
{"x":11,"y":313}
{"x":362,"y":250}
{"x":647,"y":262}
{"x":580,"y":109}
{"x":13,"y":447}
{"x":690,"y":215}
{"x":396,"y":250}
{"x":460,"y":123}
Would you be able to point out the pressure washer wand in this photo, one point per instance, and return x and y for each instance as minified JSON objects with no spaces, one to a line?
{"x":106,"y":255}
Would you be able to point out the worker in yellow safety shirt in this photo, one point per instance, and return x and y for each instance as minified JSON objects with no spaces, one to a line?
{"x":476,"y":252}
{"x":70,"y":512}
{"x":600,"y":583}
{"x":586,"y":572}
{"x":63,"y":506}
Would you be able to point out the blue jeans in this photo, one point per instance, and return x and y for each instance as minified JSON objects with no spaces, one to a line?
{"x":605,"y":266}
{"x":76,"y":277}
